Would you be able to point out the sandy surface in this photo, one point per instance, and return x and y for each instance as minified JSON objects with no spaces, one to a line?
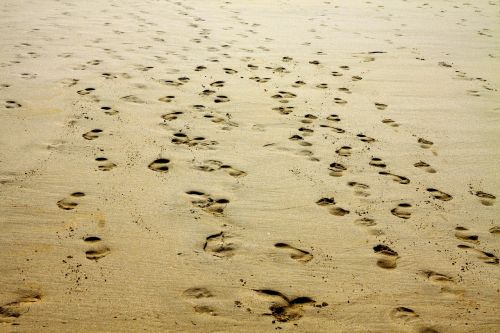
{"x":249,"y":166}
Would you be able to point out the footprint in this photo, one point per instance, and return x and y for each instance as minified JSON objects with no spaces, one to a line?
{"x":104,"y":164}
{"x":132,"y":99}
{"x":159,"y":165}
{"x":85,"y":91}
{"x":208,"y":204}
{"x":109,"y":111}
{"x":9,"y":312}
{"x":172,"y":115}
{"x":219,"y":245}
{"x":437,"y":278}
{"x":402,"y":211}
{"x":284,"y":309}
{"x":11,"y":104}
{"x":461,"y":234}
{"x":344,"y":151}
{"x":425,"y":143}
{"x":390,"y":122}
{"x":381,"y":106}
{"x":166,"y":99}
{"x":486,"y":198}
{"x":338,"y":100}
{"x":403,"y":314}
{"x":92,"y":135}
{"x":336,"y":169}
{"x":284,"y":109}
{"x":217,"y":84}
{"x":396,"y":178}
{"x":365,"y":222}
{"x":197,"y":292}
{"x":70,"y":203}
{"x":98,"y":250}
{"x":365,"y":138}
{"x":377,"y":162}
{"x":424,"y":166}
{"x":360,"y":189}
{"x":221,"y":99}
{"x":486,"y":257}
{"x":295,"y":253}
{"x":436,"y":194}
{"x":388,"y":261}
{"x":333,"y":117}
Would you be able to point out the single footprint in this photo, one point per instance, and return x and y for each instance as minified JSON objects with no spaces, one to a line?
{"x":437,"y":194}
{"x":365,"y":222}
{"x":344,"y":151}
{"x":109,"y":110}
{"x":208,"y":204}
{"x":159,"y":165}
{"x":402,"y":211}
{"x":85,"y":91}
{"x":97,"y":250}
{"x":172,"y":115}
{"x":381,"y":106}
{"x":424,"y":166}
{"x":404,"y":314}
{"x":388,"y":261}
{"x":284,"y":309}
{"x":197,"y":292}
{"x":132,"y":99}
{"x":486,"y":198}
{"x":390,"y":122}
{"x":396,"y":178}
{"x":219,"y":245}
{"x":12,"y":104}
{"x":104,"y":164}
{"x":221,"y":99}
{"x":70,"y":203}
{"x":360,"y":189}
{"x":166,"y":99}
{"x":377,"y":162}
{"x":92,"y":135}
{"x":295,"y":253}
{"x":486,"y":257}
{"x":336,"y":169}
{"x":365,"y":138}
{"x":463,"y":234}
{"x":10,"y":311}
{"x":425,"y":143}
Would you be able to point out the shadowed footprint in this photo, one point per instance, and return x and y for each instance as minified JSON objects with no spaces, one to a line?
{"x":172,"y":115}
{"x":208,"y":204}
{"x":402,"y":211}
{"x":436,"y":194}
{"x":92,"y":135}
{"x":486,"y":198}
{"x":70,"y":203}
{"x":219,"y":245}
{"x":10,"y":311}
{"x":377,"y":162}
{"x":425,"y":143}
{"x":104,"y":164}
{"x":97,"y":250}
{"x":360,"y":188}
{"x":424,"y":166}
{"x":390,"y":122}
{"x":344,"y":151}
{"x":486,"y":257}
{"x":336,"y":169}
{"x":295,"y":253}
{"x":284,"y":309}
{"x":381,"y":106}
{"x":396,"y":178}
{"x":388,"y":261}
{"x":159,"y":165}
{"x":403,"y":314}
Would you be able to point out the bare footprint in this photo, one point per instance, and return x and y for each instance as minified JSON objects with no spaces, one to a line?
{"x":403,"y":314}
{"x":344,"y":151}
{"x":71,"y":202}
{"x":402,"y":211}
{"x":97,"y":249}
{"x":436,"y":194}
{"x":424,"y":166}
{"x":377,"y":162}
{"x":159,"y":165}
{"x":105,"y":164}
{"x":336,"y":169}
{"x":284,"y":309}
{"x":486,"y":198}
{"x":425,"y":143}
{"x":295,"y":253}
{"x":389,"y":256}
{"x":396,"y":178}
{"x":208,"y":204}
{"x":10,"y":311}
{"x":92,"y":135}
{"x":219,"y":245}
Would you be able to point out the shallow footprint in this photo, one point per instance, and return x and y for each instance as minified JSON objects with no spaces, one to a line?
{"x":295,"y":253}
{"x":159,"y":165}
{"x":388,"y":261}
{"x":104,"y":164}
{"x":486,"y":198}
{"x":425,"y":143}
{"x":70,"y":203}
{"x":396,"y":178}
{"x":92,"y":135}
{"x":402,"y":211}
{"x":437,"y":194}
{"x":344,"y":151}
{"x":424,"y":166}
{"x":336,"y":169}
{"x":403,"y":314}
{"x":219,"y":245}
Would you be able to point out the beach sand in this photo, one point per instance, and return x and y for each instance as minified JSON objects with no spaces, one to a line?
{"x":249,"y":166}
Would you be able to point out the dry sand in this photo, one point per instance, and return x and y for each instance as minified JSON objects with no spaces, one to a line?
{"x":249,"y":166}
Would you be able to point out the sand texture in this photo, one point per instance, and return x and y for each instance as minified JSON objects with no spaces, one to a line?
{"x":249,"y":166}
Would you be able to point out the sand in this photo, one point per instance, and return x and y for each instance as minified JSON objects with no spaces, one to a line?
{"x":249,"y":166}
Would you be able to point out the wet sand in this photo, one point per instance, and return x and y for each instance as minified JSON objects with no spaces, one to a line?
{"x":249,"y":166}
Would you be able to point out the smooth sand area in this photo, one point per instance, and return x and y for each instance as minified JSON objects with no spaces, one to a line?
{"x":249,"y":166}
